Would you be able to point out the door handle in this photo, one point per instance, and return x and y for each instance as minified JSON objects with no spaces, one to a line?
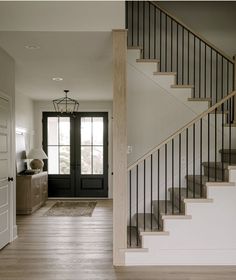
{"x":10,"y":179}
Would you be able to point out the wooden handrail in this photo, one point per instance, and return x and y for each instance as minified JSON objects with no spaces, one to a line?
{"x":202,"y":115}
{"x":209,"y":44}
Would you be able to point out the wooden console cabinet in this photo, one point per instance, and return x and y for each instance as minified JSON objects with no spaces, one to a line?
{"x":31,"y":192}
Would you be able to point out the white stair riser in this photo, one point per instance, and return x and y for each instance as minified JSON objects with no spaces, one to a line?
{"x":165,"y":81}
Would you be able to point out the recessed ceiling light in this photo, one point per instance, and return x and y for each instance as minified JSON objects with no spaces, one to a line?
{"x":57,"y":79}
{"x":32,"y":47}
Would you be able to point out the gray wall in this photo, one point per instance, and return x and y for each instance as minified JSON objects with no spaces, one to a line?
{"x":216,"y":21}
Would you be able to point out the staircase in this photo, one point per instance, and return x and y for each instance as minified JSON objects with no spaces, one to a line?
{"x":182,"y":193}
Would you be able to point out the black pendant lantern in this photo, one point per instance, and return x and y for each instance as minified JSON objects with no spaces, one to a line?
{"x":66,"y":104}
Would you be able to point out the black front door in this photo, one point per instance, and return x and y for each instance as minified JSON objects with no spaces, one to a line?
{"x":77,"y":149}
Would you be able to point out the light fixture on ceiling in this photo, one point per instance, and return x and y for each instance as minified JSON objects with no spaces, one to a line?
{"x":66,"y":104}
{"x":32,"y":47}
{"x":57,"y":79}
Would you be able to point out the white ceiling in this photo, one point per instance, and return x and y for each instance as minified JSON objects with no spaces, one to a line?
{"x":75,"y":42}
{"x":82,"y":59}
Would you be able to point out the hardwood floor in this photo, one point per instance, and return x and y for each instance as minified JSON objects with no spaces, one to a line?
{"x":79,"y":248}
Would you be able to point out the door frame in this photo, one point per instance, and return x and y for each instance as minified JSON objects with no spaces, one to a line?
{"x":12,"y":171}
{"x":110,"y":142}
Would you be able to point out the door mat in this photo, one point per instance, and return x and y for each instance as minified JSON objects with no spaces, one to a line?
{"x":72,"y":209}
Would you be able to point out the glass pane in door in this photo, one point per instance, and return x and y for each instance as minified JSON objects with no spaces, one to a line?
{"x":86,"y":131}
{"x":53,"y":165}
{"x":97,"y":160}
{"x":86,"y":160}
{"x":58,"y":145}
{"x":64,"y":160}
{"x":98,"y":131}
{"x":92,"y":133}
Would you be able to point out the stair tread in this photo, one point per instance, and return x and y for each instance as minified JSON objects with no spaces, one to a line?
{"x":232,"y":125}
{"x":148,"y":60}
{"x":218,"y":165}
{"x":182,"y":86}
{"x":148,"y":219}
{"x":199,"y":99}
{"x":164,"y":73}
{"x":134,"y":48}
{"x":184,"y":193}
{"x":228,"y":151}
{"x":169,"y":207}
{"x":198,"y":179}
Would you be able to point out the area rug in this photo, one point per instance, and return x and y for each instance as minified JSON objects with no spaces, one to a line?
{"x":72,"y":209}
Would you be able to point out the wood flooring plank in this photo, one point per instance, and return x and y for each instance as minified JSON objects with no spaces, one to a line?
{"x":80,"y":248}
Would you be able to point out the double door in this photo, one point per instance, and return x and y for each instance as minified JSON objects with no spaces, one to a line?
{"x":77,"y":149}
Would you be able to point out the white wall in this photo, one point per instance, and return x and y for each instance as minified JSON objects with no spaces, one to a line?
{"x":153,"y":113}
{"x":216,"y":21}
{"x":62,"y":15}
{"x":85,"y":106}
{"x":24,"y":113}
{"x":7,"y":87}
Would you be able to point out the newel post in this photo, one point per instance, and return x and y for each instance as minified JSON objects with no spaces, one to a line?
{"x":119,"y":147}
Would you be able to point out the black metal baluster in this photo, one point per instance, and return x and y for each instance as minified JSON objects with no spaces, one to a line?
{"x":187,"y":163}
{"x":138,"y":44}
{"x":233,"y":98}
{"x":171,"y":45}
{"x":165,"y":178}
{"x":144,"y":195}
{"x":208,"y":146}
{"x":155,"y":24}
{"x":211,"y":79}
{"x":160,"y":40}
{"x":179,"y":173}
{"x":137,"y":226}
{"x":158,"y":189}
{"x":222,"y":141}
{"x":194,"y":183}
{"x":230,"y":107}
{"x":149,"y":31}
{"x":194,"y":66}
{"x":200,"y":157}
{"x":177,"y":54}
{"x":130,"y":209}
{"x":151,"y":194}
{"x":227,"y":90}
{"x":182,"y":55}
{"x":205,"y":71}
{"x":216,"y":77}
{"x":215,"y":145}
{"x":173,"y":176}
{"x":143,"y":29}
{"x":200,"y":68}
{"x":132,"y":22}
{"x":166,"y":43}
{"x":188,"y":60}
{"x":222,"y":77}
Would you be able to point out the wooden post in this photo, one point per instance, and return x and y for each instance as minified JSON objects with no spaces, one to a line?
{"x":119,"y":147}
